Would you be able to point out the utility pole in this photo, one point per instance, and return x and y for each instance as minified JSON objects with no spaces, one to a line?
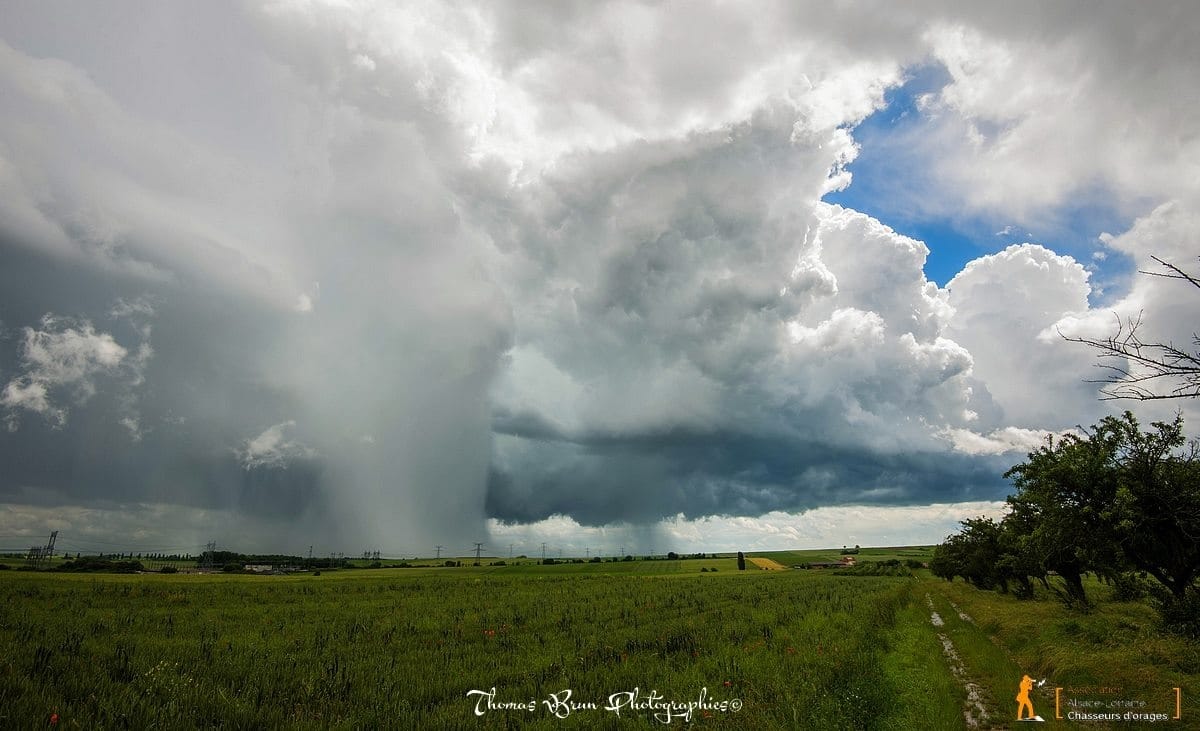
{"x":478,"y":548}
{"x":587,"y":552}
{"x":510,"y":550}
{"x":207,"y":560}
{"x":439,"y":552}
{"x":543,"y":552}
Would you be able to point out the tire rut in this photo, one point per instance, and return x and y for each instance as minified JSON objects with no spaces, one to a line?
{"x":975,"y":713}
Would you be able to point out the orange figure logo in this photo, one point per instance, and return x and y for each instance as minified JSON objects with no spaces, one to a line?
{"x":1023,"y":701}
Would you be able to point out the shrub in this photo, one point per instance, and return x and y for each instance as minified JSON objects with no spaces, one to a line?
{"x":168,"y":570}
{"x":1180,"y":615}
{"x":1130,"y":586}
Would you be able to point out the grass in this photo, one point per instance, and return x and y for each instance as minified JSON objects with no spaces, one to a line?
{"x":927,"y":695}
{"x":1114,"y":644}
{"x":401,"y":648}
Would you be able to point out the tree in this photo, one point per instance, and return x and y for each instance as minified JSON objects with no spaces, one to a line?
{"x":1156,"y":511}
{"x":1020,"y":561}
{"x":1057,"y":514}
{"x":973,"y":553}
{"x":1111,"y":499}
{"x":741,"y":561}
{"x":1145,"y":371}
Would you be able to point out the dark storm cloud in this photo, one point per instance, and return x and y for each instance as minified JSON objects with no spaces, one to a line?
{"x":198,"y":396}
{"x":644,"y":478}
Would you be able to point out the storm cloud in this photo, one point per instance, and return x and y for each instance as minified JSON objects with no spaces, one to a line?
{"x":374,"y":274}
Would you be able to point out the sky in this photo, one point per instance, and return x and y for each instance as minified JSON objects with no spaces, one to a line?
{"x":611,"y":276}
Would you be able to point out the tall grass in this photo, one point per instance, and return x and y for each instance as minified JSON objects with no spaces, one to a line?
{"x":401,"y":649}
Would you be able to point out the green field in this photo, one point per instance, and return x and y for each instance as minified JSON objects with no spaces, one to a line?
{"x":402,"y":648}
{"x":791,"y":558}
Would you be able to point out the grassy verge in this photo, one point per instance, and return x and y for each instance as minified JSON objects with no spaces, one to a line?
{"x":1115,"y":645}
{"x":925,"y":695}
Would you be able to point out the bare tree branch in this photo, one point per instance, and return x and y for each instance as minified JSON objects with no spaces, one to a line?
{"x":1135,"y":369}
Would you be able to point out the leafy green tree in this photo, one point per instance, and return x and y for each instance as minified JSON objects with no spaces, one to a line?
{"x":943,"y":564}
{"x":1112,"y":499}
{"x":1156,"y":510}
{"x":1019,"y":560}
{"x":1063,"y":491}
{"x":973,"y":553}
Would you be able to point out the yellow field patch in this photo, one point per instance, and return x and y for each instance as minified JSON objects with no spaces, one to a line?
{"x":766,"y":563}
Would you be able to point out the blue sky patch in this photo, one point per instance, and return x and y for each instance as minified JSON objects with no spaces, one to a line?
{"x":891,"y":175}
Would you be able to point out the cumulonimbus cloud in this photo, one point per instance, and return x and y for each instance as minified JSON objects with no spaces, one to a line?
{"x":549,"y":268}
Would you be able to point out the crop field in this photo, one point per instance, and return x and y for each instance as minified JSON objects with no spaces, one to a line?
{"x":404,"y":648}
{"x":901,"y":553}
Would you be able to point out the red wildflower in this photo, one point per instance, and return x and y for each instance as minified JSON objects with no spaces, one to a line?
{"x":727,"y":683}
{"x":53,"y":719}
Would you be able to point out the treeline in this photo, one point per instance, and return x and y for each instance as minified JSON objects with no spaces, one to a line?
{"x":131,"y":556}
{"x":1114,"y":501}
{"x":235,"y":559}
{"x":88,"y":564}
